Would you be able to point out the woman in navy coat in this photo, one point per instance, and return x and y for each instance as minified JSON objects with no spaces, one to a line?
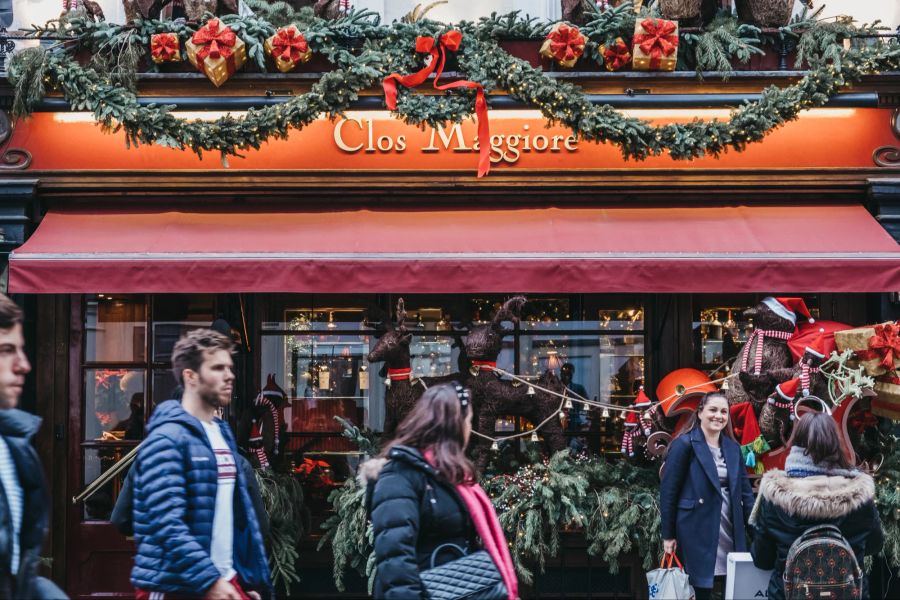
{"x":705,"y":496}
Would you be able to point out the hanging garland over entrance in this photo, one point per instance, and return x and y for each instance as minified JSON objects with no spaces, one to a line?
{"x":364,"y":52}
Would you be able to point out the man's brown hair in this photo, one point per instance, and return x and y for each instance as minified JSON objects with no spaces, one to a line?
{"x":10,"y":313}
{"x":189,"y":351}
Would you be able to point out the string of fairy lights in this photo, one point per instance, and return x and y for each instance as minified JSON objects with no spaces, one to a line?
{"x":566,"y":398}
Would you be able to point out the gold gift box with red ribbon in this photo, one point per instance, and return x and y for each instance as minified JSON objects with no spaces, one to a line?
{"x":887,"y":403}
{"x":288,"y":48}
{"x":655,"y":45}
{"x":165,"y":47}
{"x":564,"y":44}
{"x":877,"y":347}
{"x":216,"y":51}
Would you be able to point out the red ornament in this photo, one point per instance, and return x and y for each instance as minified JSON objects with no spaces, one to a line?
{"x":438,"y":48}
{"x":616,"y":55}
{"x":564,"y":44}
{"x":165,"y":47}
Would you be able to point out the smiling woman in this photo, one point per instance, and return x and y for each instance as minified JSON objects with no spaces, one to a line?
{"x":705,"y":496}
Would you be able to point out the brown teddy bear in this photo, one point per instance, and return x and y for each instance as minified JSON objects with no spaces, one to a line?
{"x":765,"y":359}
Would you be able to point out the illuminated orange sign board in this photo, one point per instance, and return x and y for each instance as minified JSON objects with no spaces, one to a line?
{"x":828,"y":138}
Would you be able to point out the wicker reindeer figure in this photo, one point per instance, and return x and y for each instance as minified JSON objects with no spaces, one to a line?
{"x":393,"y":348}
{"x":493,"y":397}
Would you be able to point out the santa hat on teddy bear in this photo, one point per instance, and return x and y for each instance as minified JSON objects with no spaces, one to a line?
{"x":789,"y":308}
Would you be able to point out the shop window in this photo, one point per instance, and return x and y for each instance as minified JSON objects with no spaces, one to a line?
{"x":316,"y":351}
{"x":173,"y":316}
{"x":114,"y":404}
{"x":122,"y":370}
{"x":720,"y":328}
{"x":115,"y":328}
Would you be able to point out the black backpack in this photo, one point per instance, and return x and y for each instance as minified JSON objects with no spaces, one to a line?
{"x":821,"y":564}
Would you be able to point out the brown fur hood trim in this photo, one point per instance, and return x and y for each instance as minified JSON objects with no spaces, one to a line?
{"x":370,"y":470}
{"x":817,"y":497}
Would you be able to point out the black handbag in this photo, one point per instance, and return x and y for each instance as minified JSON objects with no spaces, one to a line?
{"x":471,"y":577}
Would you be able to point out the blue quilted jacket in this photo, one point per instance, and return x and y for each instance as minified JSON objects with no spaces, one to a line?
{"x":174,"y":503}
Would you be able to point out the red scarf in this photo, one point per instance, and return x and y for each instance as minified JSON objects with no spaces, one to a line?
{"x":487,"y":525}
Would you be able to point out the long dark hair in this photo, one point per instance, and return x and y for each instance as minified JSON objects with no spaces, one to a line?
{"x":817,"y":433}
{"x":436,"y":423}
{"x":704,"y":400}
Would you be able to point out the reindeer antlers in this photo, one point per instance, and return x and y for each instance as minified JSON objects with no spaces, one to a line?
{"x":509,"y":311}
{"x":401,"y":313}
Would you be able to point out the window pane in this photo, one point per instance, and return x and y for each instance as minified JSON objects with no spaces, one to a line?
{"x":114,"y":404}
{"x":323,"y":376}
{"x":175,"y":315}
{"x":115,"y":328}
{"x":99,"y":506}
{"x":164,"y":385}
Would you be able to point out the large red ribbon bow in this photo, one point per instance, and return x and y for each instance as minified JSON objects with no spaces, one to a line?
{"x":289,"y":44}
{"x":566,"y":43}
{"x":438,"y":48}
{"x":217,"y":40}
{"x":886,"y":344}
{"x":657,"y":41}
{"x":164,"y":46}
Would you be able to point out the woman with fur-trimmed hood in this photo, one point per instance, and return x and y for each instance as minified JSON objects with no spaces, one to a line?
{"x":817,"y":487}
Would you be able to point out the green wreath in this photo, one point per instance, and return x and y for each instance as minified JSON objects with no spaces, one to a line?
{"x":363,"y":52}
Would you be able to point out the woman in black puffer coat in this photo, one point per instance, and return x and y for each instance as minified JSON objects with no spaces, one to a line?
{"x":817,"y":487}
{"x":421,"y":494}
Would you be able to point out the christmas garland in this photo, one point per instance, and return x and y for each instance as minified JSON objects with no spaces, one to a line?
{"x":363,"y":52}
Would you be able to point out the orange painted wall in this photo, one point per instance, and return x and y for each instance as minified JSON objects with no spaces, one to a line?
{"x":836,"y":138}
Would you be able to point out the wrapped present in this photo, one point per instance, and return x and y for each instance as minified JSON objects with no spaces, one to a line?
{"x":616,"y":55}
{"x":165,"y":47}
{"x":655,"y":45}
{"x":877,"y":347}
{"x":564,"y":44}
{"x":887,"y":402}
{"x":216,"y":51}
{"x":288,"y":48}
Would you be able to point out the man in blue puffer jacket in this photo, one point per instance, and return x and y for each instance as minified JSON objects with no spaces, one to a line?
{"x":194,"y":524}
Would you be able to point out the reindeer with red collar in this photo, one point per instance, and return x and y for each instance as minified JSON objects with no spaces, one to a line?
{"x":403,"y":391}
{"x":493,"y":397}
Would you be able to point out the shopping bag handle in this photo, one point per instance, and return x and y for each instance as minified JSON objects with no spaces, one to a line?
{"x":671,"y":556}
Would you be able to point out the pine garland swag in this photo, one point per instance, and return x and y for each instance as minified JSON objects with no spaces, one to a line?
{"x":283,"y":499}
{"x":363,"y":52}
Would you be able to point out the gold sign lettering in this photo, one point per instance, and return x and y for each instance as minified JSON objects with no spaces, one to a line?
{"x":505,"y":148}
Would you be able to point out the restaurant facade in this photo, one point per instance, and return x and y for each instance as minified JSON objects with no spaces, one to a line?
{"x":302,"y":249}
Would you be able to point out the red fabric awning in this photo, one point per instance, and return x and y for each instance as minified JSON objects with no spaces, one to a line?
{"x":722,"y":249}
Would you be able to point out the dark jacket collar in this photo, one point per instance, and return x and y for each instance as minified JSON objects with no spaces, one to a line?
{"x":18,"y":423}
{"x":412,"y":457}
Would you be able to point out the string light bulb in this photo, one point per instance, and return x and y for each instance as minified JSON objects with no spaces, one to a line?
{"x":534,"y":437}
{"x":605,"y":413}
{"x":530,"y":391}
{"x":495,"y":446}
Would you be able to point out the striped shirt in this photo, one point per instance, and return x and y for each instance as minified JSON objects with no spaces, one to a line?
{"x":13,"y":491}
{"x":221,"y":547}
